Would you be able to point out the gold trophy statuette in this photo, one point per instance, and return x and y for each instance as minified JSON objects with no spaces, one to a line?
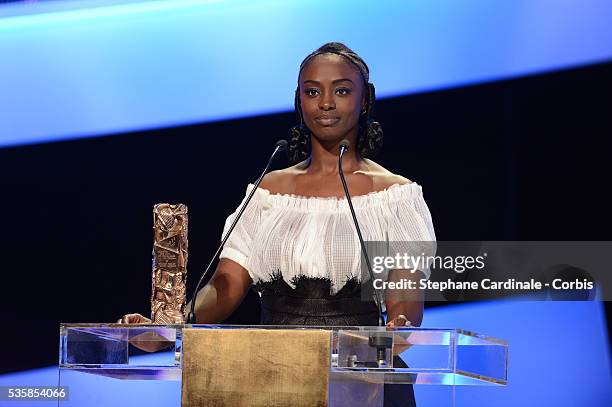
{"x":169,"y":264}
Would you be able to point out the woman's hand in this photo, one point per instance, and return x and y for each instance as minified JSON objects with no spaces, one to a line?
{"x":146,"y":341}
{"x":133,"y":319}
{"x":398,"y":321}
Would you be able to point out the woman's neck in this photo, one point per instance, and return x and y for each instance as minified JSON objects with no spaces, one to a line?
{"x":324,"y":159}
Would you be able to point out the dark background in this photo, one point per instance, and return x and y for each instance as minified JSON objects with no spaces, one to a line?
{"x":521,"y":159}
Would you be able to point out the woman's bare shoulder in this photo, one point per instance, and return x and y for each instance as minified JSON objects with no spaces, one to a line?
{"x":282,"y":181}
{"x":383,"y":178}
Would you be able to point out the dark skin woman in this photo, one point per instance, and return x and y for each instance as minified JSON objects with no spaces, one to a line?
{"x":334,"y":102}
{"x":332,"y":97}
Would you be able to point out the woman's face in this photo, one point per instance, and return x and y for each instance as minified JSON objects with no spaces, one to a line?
{"x":331,"y":98}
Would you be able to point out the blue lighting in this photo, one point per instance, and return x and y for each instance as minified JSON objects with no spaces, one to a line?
{"x":70,"y":70}
{"x":60,"y":12}
{"x":558,"y":352}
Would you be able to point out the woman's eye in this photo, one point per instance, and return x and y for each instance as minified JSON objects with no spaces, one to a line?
{"x":312,"y":92}
{"x":343,"y":91}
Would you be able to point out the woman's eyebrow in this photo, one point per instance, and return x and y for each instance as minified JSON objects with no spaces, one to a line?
{"x":334,"y":81}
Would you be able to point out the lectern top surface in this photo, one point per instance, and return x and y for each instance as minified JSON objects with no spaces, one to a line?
{"x":415,"y":330}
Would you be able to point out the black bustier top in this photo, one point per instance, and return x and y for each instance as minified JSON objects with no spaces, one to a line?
{"x":310,"y":303}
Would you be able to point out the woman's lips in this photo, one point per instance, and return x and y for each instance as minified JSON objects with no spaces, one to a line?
{"x":327,"y":120}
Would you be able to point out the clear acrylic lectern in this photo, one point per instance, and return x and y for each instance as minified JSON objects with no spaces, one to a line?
{"x":230,"y":365}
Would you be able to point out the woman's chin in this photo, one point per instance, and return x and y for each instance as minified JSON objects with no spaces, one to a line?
{"x":329,"y":135}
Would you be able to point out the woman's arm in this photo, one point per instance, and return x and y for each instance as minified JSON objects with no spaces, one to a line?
{"x":217,"y":300}
{"x":223,"y":293}
{"x":214,"y":303}
{"x":406,"y":303}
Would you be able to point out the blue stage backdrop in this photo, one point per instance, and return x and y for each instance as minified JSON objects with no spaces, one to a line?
{"x":71,"y":69}
{"x":86,"y":68}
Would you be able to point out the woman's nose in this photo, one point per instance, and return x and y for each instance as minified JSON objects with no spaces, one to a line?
{"x":327,"y":102}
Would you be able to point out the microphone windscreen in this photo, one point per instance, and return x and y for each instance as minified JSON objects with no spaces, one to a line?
{"x":282,"y":145}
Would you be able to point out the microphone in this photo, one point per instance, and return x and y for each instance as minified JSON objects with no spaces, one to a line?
{"x":281,"y":145}
{"x":378,"y":340}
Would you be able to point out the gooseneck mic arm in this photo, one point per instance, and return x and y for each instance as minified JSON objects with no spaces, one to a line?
{"x":344,"y":146}
{"x":281,"y":145}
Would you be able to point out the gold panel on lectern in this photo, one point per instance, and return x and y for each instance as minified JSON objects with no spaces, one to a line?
{"x":255,"y":367}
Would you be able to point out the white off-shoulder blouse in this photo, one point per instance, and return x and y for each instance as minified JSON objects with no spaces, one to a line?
{"x":315,"y":237}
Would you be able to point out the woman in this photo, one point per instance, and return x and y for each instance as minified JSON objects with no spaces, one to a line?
{"x":296,"y":241}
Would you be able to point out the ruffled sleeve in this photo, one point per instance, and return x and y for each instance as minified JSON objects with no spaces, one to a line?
{"x":410,"y":227}
{"x":240,"y":243}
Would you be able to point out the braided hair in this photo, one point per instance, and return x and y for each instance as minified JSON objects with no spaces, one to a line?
{"x":370,"y":135}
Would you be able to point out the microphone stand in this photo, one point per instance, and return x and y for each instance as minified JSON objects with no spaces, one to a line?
{"x":380,"y":341}
{"x":281,"y":145}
